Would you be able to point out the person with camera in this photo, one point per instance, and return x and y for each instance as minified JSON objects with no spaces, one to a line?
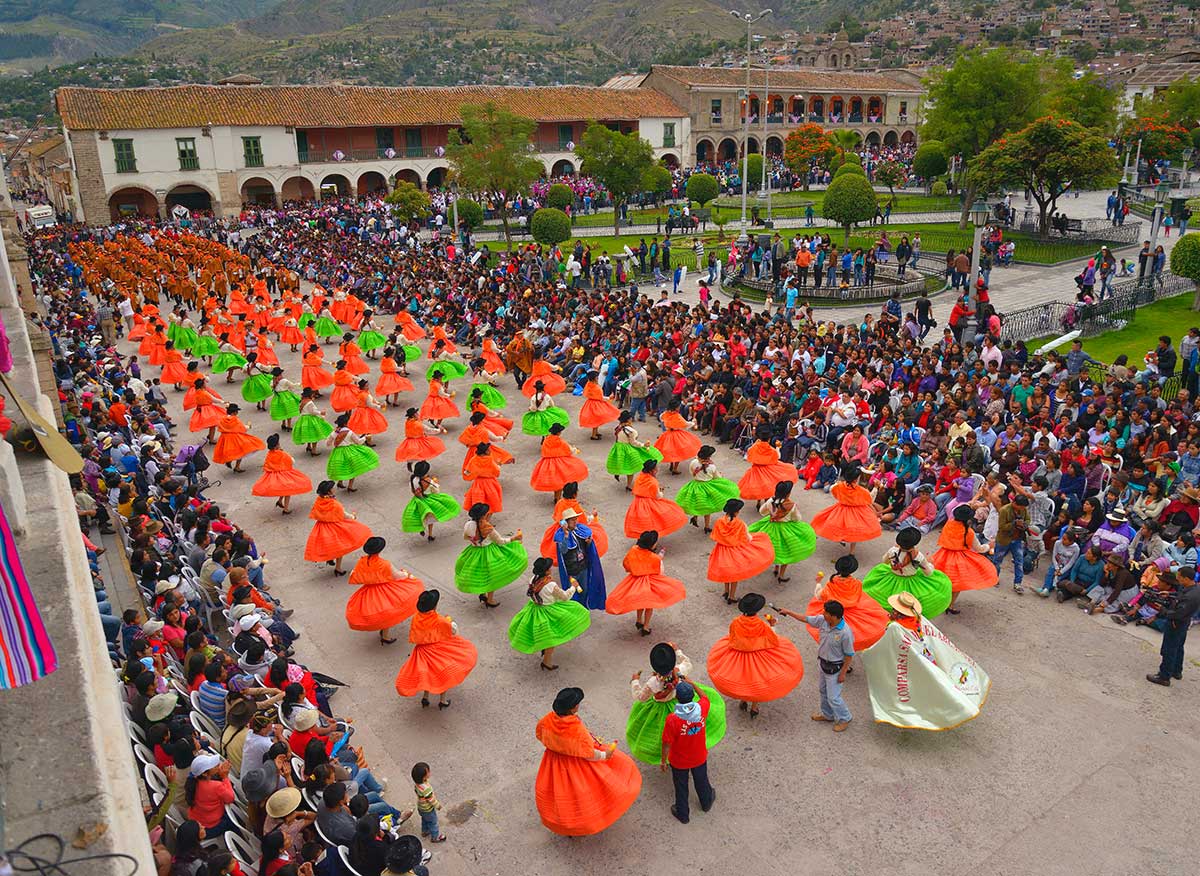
{"x":1010,"y":538}
{"x":1177,"y":611}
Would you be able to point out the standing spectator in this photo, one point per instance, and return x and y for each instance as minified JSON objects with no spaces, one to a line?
{"x":1177,"y":616}
{"x":686,"y":749}
{"x":1010,"y":538}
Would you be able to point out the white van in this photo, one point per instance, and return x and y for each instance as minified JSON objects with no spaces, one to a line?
{"x":41,"y":216}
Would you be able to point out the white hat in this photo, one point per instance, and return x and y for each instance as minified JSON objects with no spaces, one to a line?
{"x":161,"y":706}
{"x":242,"y":609}
{"x":153,"y":627}
{"x":248,"y":622}
{"x":203,"y":763}
{"x":568,"y":514}
{"x":163,"y":587}
{"x":304,"y":719}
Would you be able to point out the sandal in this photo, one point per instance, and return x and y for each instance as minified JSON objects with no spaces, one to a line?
{"x":444,"y":704}
{"x":424,"y":702}
{"x":441,"y":838}
{"x":384,"y":641}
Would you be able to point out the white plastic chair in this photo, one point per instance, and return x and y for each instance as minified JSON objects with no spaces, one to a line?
{"x":344,"y":854}
{"x":201,"y":723}
{"x":247,"y":856}
{"x":156,"y":780}
{"x":144,"y":755}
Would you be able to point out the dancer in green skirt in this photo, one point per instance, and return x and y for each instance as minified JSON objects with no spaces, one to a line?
{"x":257,"y":387}
{"x":285,"y":404}
{"x":491,"y":397}
{"x":350,"y":457}
{"x":490,"y":561}
{"x":906,"y":570}
{"x":707,"y":492}
{"x":370,"y":338}
{"x":628,"y":453}
{"x":311,"y":428}
{"x":326,"y":326}
{"x":428,"y":505}
{"x":542,"y":413}
{"x":229,"y":359}
{"x":654,"y":700}
{"x":550,"y":618}
{"x":206,"y":345}
{"x":794,"y":540}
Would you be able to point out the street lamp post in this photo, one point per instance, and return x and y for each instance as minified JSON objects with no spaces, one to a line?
{"x":765,"y":187}
{"x":1161,"y":191}
{"x":750,"y":19}
{"x":1187,"y":156}
{"x":1137,"y":164}
{"x":979,"y":216}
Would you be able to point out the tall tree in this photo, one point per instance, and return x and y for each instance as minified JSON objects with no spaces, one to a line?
{"x":803,"y":145}
{"x":1046,"y":157}
{"x":848,"y":201}
{"x":890,"y":174}
{"x":983,"y":96}
{"x":1087,"y":100}
{"x":407,"y":201}
{"x":619,"y":161}
{"x":491,"y":154}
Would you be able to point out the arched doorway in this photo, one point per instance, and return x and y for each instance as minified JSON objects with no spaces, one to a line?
{"x":837,"y":108}
{"x":704,"y":152}
{"x":670,"y":160}
{"x":129,"y":202}
{"x":297,"y":188}
{"x":816,"y":109}
{"x":562,"y":167}
{"x":847,"y":60}
{"x":728,"y":150}
{"x":856,"y":109}
{"x":436,"y":178}
{"x":872,"y":138}
{"x":753,"y":108}
{"x":371,"y":182}
{"x":908,"y":138}
{"x":874,"y":109}
{"x":891,"y":138}
{"x":190,"y":196}
{"x":752,"y":145}
{"x":407,"y":175}
{"x":335,"y":185}
{"x":796,"y":109}
{"x":774,"y":146}
{"x":833,"y":61}
{"x":775,"y":108}
{"x":257,"y":190}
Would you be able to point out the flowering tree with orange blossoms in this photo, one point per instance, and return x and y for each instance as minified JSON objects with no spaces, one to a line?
{"x":802,"y":145}
{"x":1161,"y":139}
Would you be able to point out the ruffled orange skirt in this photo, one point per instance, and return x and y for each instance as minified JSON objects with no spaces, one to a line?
{"x":289,"y":334}
{"x":866,"y":620}
{"x":550,"y":473}
{"x":644,"y":591}
{"x":755,"y":676}
{"x":498,"y":454}
{"x":728,"y":563}
{"x":411,"y":331}
{"x":356,"y":366}
{"x":661,"y":515}
{"x":498,"y":425}
{"x":379,"y":606}
{"x":291,"y":482}
{"x":677,"y":445}
{"x":850,"y":523}
{"x":596,"y":412}
{"x":174,"y":372}
{"x":492,"y":363}
{"x":315,"y":377}
{"x":236,"y":445}
{"x":759,"y":480}
{"x":578,"y":797}
{"x":267,"y":357}
{"x":367,"y":421}
{"x":392,"y":382}
{"x":204,"y":417}
{"x":548,"y":549}
{"x":330,"y":540}
{"x":436,"y":667}
{"x":426,"y":447}
{"x":966,"y":569}
{"x":438,"y":407}
{"x":485,"y":490}
{"x":554,"y":384}
{"x":343,"y":398}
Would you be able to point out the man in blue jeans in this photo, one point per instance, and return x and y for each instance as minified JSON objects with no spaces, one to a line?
{"x":1178,"y":618}
{"x":835,"y":651}
{"x":1010,"y":538}
{"x":686,"y":749}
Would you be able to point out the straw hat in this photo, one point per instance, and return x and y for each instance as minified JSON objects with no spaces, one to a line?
{"x":161,"y":706}
{"x":283,"y":802}
{"x":905,"y":603}
{"x":305,"y":719}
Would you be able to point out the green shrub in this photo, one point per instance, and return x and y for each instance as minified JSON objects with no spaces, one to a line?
{"x":702,"y":188}
{"x":560,"y":197}
{"x":1185,"y":257}
{"x":939,"y":190}
{"x":849,"y":169}
{"x":470,"y":213}
{"x":550,"y":226}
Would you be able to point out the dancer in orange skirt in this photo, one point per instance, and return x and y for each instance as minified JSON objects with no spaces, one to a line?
{"x":418,"y":443}
{"x":597,"y":410}
{"x":570,"y":499}
{"x":194,"y":374}
{"x":765,"y":468}
{"x":583,"y":783}
{"x":351,"y":354}
{"x":676,"y":444}
{"x":392,"y":379}
{"x":409,"y":327}
{"x":174,"y":372}
{"x":962,"y":558}
{"x":649,"y":509}
{"x":335,"y":533}
{"x":552,"y":383}
{"x":384,"y":597}
{"x":645,"y":588}
{"x":484,"y":474}
{"x":558,"y":464}
{"x":439,"y":404}
{"x":753,"y":663}
{"x":366,"y":418}
{"x":280,"y":477}
{"x":491,"y":419}
{"x":477,"y":433}
{"x":492,"y":363}
{"x":439,"y":335}
{"x":235,"y":442}
{"x":867,"y":621}
{"x":206,"y":414}
{"x":851,"y":518}
{"x":345,"y":393}
{"x":312,"y":374}
{"x":738,"y":553}
{"x":441,"y":659}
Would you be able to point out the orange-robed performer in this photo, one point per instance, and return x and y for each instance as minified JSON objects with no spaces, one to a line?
{"x":235,"y":442}
{"x":645,"y":588}
{"x":737,"y":553}
{"x":753,"y":663}
{"x":649,"y":509}
{"x":441,"y":659}
{"x":765,"y":469}
{"x":863,"y":615}
{"x":676,"y":444}
{"x":280,"y":477}
{"x":597,"y":410}
{"x":851,"y":518}
{"x":335,"y":533}
{"x":583,"y":784}
{"x":559,"y":464}
{"x":384,"y":597}
{"x":477,"y":433}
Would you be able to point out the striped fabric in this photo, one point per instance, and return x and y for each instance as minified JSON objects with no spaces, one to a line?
{"x":26,"y":653}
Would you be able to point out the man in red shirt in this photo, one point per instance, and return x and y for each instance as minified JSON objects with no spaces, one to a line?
{"x":684,"y":746}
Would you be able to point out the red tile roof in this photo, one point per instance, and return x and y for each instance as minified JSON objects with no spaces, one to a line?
{"x":190,"y":106}
{"x":785,"y":78}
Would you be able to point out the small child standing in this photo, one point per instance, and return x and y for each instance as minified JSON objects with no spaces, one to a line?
{"x":1062,"y":557}
{"x":427,"y":803}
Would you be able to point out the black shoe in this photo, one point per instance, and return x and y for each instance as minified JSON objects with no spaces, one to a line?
{"x":1177,"y":676}
{"x":711,"y":801}
{"x":1154,"y":678}
{"x":677,"y":818}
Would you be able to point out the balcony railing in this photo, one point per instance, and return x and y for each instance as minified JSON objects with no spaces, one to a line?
{"x":715,"y":118}
{"x":189,"y":162}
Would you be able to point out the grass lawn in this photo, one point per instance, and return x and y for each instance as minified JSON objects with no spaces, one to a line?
{"x":1171,"y":316}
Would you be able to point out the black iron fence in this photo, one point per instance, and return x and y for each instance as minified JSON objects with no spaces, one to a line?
{"x":1053,"y":318}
